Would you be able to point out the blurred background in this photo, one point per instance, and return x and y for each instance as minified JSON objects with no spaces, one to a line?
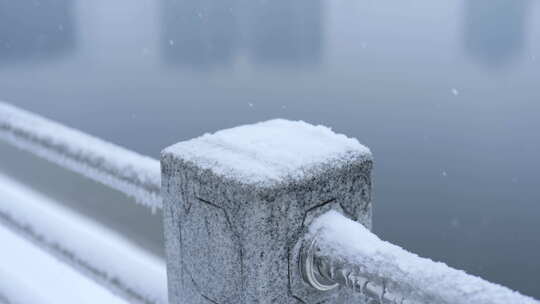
{"x":445,"y":93}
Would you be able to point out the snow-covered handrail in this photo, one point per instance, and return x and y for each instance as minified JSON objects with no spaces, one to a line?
{"x":340,"y":251}
{"x":90,"y":249}
{"x":136,"y":175}
{"x":253,"y":214}
{"x":276,"y":212}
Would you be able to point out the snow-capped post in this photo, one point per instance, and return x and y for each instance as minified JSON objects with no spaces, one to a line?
{"x":237,"y":203}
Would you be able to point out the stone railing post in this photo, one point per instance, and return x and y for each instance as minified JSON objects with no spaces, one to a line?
{"x":237,"y":202}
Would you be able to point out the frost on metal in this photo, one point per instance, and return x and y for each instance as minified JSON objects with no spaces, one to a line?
{"x":95,"y":251}
{"x":271,"y":152}
{"x":352,"y":251}
{"x":136,"y":175}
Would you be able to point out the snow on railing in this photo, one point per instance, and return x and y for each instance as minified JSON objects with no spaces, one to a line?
{"x":340,"y":251}
{"x":136,"y":175}
{"x":74,"y":240}
{"x":10,"y":290}
{"x":242,"y":220}
{"x":54,"y":282}
{"x":93,"y":250}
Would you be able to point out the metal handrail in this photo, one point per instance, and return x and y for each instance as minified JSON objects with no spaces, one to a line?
{"x":131,"y":173}
{"x":57,"y":231}
{"x":332,"y":257}
{"x":341,"y":252}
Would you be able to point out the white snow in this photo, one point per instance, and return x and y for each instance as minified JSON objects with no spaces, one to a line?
{"x":31,"y":276}
{"x":271,"y":151}
{"x":88,"y":247}
{"x":419,"y":279}
{"x":131,"y":173}
{"x":12,"y":290}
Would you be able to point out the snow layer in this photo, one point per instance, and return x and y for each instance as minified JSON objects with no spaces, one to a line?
{"x":271,"y":151}
{"x":131,"y":173}
{"x":88,"y":247}
{"x":31,"y":276}
{"x":420,"y":280}
{"x":12,"y":290}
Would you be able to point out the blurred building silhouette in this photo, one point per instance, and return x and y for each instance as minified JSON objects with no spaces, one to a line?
{"x":495,"y":29}
{"x":199,"y":33}
{"x":208,"y":33}
{"x":35,"y":30}
{"x":286,"y":32}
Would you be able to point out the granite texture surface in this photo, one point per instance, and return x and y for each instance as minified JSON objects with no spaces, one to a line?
{"x":234,"y":242}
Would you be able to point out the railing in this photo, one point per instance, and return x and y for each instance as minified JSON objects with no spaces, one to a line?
{"x":131,"y":173}
{"x":38,"y":219}
{"x":342,"y":252}
{"x":268,"y":213}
